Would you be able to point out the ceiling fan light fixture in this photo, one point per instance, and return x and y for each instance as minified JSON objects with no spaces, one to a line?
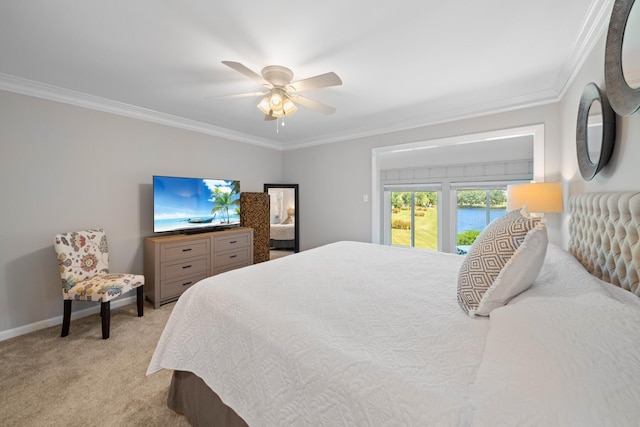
{"x":277,"y":113}
{"x":289,"y":107}
{"x":276,"y":99}
{"x":277,"y":104}
{"x":276,"y":80}
{"x":264,"y":106}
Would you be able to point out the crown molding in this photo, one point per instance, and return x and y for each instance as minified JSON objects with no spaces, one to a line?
{"x":593,"y":27}
{"x":533,"y":99}
{"x":53,"y":93}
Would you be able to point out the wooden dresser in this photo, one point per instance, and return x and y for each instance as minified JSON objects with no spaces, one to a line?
{"x":173,"y":263}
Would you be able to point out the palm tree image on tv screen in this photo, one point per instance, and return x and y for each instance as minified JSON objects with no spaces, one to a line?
{"x":224,"y":200}
{"x":194,"y":204}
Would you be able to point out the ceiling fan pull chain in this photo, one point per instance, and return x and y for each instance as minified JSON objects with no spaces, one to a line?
{"x":277,"y":127}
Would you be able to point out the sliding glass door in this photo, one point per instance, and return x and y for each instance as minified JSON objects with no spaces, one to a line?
{"x":412,"y":217}
{"x":441,"y":216}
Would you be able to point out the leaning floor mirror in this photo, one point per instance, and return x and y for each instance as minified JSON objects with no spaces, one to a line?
{"x":284,"y":217}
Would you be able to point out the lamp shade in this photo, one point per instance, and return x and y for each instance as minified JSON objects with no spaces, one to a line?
{"x":264,"y":106}
{"x":538,"y":197}
{"x":288,"y":106}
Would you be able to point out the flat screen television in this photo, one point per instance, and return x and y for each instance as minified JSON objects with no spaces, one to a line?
{"x":182,"y":204}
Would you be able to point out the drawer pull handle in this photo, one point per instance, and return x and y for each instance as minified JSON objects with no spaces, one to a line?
{"x":186,"y":266}
{"x":186,"y":284}
{"x":233,"y":241}
{"x":233,"y":256}
{"x":186,"y":250}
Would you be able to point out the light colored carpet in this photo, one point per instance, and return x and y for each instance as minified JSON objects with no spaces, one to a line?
{"x":83,"y":380}
{"x":279,"y":253}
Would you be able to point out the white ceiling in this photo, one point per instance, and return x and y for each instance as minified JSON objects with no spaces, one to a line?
{"x":403,"y":64}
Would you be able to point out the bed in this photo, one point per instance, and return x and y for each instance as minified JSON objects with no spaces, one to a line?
{"x":282,"y":236}
{"x":359,"y":334}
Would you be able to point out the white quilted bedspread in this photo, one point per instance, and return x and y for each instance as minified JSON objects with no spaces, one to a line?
{"x":562,"y":354}
{"x":354,"y":334}
{"x":348,"y":334}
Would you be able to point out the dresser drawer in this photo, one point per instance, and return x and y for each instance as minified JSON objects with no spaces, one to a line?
{"x":172,"y":263}
{"x":180,"y":250}
{"x":231,"y":259}
{"x":227,"y":243}
{"x":174,"y":288}
{"x":182,"y":268}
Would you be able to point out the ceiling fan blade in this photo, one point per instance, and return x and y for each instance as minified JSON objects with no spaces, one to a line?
{"x":314,"y":105}
{"x":240,"y":95}
{"x":268,"y":118}
{"x":317,"y":82}
{"x":247,"y":72}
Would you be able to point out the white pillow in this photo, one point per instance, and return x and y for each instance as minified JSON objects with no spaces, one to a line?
{"x":504,"y":261}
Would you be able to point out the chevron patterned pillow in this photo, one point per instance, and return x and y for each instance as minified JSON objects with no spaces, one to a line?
{"x":504,"y":261}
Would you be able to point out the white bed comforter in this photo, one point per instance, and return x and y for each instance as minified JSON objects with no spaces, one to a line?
{"x":346,"y":334}
{"x":365,"y":335}
{"x":562,"y":354}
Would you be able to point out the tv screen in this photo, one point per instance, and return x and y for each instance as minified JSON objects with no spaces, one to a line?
{"x":194,"y":204}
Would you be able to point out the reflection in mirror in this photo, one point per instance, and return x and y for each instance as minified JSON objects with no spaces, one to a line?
{"x":631,"y":48}
{"x":282,"y":205}
{"x":594,"y":132}
{"x":284,"y":218}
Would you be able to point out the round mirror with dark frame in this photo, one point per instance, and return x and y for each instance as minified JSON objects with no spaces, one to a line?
{"x":284,"y":217}
{"x":595,"y":131}
{"x":623,"y":94}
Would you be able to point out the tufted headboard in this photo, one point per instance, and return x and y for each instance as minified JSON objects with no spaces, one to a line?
{"x":605,"y":232}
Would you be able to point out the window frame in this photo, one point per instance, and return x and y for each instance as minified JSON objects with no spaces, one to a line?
{"x":447,"y":207}
{"x":537,"y":131}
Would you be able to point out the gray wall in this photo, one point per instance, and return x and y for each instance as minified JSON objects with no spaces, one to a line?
{"x":333,"y":178}
{"x":65,"y":168}
{"x":623,"y":171}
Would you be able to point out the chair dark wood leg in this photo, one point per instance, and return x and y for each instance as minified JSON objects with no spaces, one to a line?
{"x":140,"y":300}
{"x":66,"y":318}
{"x":105,"y":311}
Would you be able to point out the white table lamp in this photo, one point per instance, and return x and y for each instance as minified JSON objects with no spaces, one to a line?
{"x":538,"y":197}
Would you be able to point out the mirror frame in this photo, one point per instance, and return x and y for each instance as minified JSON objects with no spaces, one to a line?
{"x":296,"y":243}
{"x":590,"y":94}
{"x":625,"y":100}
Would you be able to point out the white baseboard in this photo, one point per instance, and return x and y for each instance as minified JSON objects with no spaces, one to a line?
{"x":32,"y":327}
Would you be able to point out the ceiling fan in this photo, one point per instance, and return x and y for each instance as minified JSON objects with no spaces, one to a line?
{"x":280,"y":94}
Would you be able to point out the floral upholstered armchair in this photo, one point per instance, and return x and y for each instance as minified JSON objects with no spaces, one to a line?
{"x":83,"y":258}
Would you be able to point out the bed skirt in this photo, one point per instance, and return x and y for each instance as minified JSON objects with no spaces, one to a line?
{"x":282,"y":244}
{"x":190,"y":396}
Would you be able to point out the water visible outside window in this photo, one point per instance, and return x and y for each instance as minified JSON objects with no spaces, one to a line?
{"x":475,"y":210}
{"x":414,"y":219}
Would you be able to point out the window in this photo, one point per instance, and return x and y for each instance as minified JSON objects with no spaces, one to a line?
{"x":476,"y":207}
{"x":446,"y":216}
{"x":506,"y":155}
